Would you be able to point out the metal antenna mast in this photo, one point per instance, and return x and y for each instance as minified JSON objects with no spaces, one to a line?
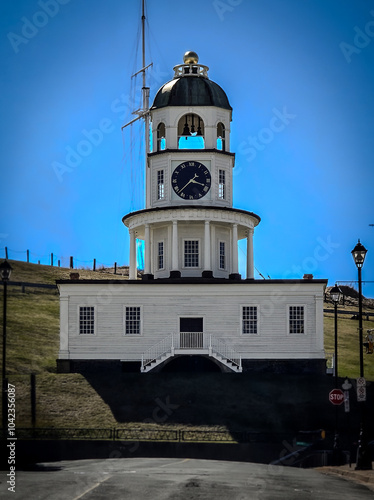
{"x":144,"y":112}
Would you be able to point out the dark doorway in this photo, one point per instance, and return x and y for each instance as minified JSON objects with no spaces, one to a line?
{"x":191,"y":333}
{"x":191,"y":325}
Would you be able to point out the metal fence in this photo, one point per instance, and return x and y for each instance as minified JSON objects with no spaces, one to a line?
{"x":146,"y":435}
{"x":156,"y":435}
{"x":65,"y":433}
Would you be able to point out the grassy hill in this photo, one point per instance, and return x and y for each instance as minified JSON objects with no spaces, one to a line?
{"x":244,"y":401}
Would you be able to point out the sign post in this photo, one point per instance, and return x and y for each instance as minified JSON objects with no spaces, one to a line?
{"x":346,"y":386}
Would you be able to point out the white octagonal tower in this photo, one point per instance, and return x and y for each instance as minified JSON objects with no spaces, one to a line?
{"x":189,"y":226}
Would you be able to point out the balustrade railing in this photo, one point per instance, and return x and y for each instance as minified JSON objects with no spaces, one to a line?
{"x":226,"y":351}
{"x":190,"y":340}
{"x":156,"y":351}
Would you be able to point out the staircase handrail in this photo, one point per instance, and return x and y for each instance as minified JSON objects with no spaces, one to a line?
{"x":168,"y":344}
{"x":224,"y":350}
{"x":162,"y":347}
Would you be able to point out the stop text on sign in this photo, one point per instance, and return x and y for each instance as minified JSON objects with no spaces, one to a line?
{"x":336,"y":397}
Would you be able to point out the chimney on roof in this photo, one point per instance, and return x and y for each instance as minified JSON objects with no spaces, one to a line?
{"x":74,"y":276}
{"x":308,"y":276}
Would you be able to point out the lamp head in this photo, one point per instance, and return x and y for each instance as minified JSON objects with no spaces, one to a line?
{"x":359,"y":253}
{"x":335,"y":293}
{"x":5,"y":270}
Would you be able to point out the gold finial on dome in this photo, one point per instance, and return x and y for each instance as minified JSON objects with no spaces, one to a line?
{"x":190,"y":57}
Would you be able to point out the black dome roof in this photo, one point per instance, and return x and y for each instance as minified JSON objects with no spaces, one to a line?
{"x":191,"y":91}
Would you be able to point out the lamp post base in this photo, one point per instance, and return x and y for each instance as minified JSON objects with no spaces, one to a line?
{"x":338,"y":456}
{"x":363,"y":461}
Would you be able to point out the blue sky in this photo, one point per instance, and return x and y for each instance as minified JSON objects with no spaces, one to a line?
{"x":67,"y":88}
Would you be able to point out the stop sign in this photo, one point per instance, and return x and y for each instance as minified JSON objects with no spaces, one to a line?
{"x":336,"y":397}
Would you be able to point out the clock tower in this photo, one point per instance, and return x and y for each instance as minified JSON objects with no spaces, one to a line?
{"x":192,"y":308}
{"x":189,"y":226}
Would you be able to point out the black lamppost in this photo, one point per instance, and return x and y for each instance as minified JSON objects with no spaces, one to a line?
{"x":5,"y":272}
{"x":363,"y":457}
{"x":335,"y":294}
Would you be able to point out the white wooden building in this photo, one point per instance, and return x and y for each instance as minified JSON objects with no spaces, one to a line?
{"x":192,"y":303}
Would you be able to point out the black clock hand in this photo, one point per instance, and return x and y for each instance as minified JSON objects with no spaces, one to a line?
{"x":195,"y":182}
{"x":189,"y":182}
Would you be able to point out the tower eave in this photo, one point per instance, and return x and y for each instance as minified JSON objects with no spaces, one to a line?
{"x":257,"y":218}
{"x":188,"y":151}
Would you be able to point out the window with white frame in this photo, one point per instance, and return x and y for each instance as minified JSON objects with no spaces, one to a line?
{"x":191,"y":253}
{"x":160,"y":255}
{"x":249,"y":319}
{"x":222,"y":255}
{"x":132,"y":320}
{"x":296,"y":319}
{"x":160,"y":185}
{"x":222,"y":184}
{"x":86,"y":320}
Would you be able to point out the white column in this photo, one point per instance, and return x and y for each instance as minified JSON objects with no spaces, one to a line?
{"x":64,"y":328}
{"x":175,"y":250}
{"x":319,"y":323}
{"x":132,"y":271}
{"x":147,"y":250}
{"x":207,"y":245}
{"x":235,"y":269}
{"x":250,"y":264}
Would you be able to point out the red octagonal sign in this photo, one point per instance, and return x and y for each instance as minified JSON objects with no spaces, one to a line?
{"x":336,"y":397}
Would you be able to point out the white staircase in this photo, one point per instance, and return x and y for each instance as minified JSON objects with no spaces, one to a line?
{"x":191,"y":343}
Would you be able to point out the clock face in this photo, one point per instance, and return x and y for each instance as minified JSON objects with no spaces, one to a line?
{"x":191,"y":180}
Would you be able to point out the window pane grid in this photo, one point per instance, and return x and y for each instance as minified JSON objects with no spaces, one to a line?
{"x":161,"y":255}
{"x":222,"y":184}
{"x":133,"y":320}
{"x":191,"y":253}
{"x":222,"y":257}
{"x":250,"y":319}
{"x":296,"y":318}
{"x":86,"y":320}
{"x":160,"y":185}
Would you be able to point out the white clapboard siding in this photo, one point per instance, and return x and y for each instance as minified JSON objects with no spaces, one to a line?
{"x":218,"y":304}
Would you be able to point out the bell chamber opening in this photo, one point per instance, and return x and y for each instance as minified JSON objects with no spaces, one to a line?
{"x":191,"y":132}
{"x":221,"y":137}
{"x":161,"y":141}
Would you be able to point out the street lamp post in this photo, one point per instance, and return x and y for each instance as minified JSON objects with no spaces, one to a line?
{"x":5,"y":272}
{"x":335,"y":294}
{"x":363,"y":457}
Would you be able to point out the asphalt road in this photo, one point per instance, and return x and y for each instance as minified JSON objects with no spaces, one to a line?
{"x":176,"y":479}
